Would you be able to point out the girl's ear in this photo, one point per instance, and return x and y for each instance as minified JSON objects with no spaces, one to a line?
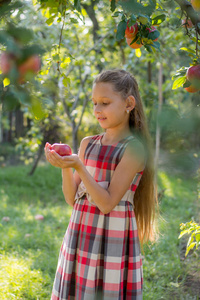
{"x":130,"y":103}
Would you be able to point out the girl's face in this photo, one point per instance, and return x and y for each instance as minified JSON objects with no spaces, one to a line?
{"x":110,"y":109}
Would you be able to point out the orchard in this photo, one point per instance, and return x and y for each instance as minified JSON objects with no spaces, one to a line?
{"x":137,"y":22}
{"x":50,"y":53}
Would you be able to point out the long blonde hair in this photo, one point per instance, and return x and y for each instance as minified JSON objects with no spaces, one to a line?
{"x":145,"y":198}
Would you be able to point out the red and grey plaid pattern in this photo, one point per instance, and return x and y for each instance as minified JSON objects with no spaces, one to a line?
{"x":100,"y":255}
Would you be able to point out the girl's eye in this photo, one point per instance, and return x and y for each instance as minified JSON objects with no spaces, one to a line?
{"x":105,"y":103}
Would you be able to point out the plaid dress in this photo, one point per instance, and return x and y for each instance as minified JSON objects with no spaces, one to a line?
{"x":100,"y":255}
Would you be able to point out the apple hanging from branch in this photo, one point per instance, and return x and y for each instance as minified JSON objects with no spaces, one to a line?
{"x":131,"y":34}
{"x":28,"y":68}
{"x":7,"y":61}
{"x":193,"y":76}
{"x":196,"y":5}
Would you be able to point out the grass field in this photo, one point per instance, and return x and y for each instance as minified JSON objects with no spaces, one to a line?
{"x":29,"y":248}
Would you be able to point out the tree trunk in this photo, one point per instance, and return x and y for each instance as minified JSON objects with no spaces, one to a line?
{"x":39,"y":154}
{"x":19,"y":123}
{"x":74,"y":137}
{"x":160,"y":102}
{"x":149,"y":72}
{"x":1,"y":127}
{"x":10,"y":116}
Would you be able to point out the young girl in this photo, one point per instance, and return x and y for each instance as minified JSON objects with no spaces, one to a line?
{"x":112,"y":193}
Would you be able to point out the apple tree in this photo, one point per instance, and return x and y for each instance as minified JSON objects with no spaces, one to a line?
{"x":85,"y":36}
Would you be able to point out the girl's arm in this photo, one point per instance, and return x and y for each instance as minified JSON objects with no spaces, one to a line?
{"x":70,"y":179}
{"x":69,"y":185}
{"x":130,"y":164}
{"x":123,"y":175}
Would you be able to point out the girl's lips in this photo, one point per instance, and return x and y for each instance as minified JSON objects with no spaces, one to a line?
{"x":101,"y":119}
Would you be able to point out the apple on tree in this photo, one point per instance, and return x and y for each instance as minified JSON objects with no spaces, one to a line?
{"x":7,"y":61}
{"x":193,"y":76}
{"x":131,"y":33}
{"x":196,"y":5}
{"x":31,"y":65}
{"x":191,"y":89}
{"x":187,"y":23}
{"x":61,"y":149}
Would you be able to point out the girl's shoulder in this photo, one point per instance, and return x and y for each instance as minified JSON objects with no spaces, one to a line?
{"x":135,"y":148}
{"x":86,"y":140}
{"x":135,"y":143}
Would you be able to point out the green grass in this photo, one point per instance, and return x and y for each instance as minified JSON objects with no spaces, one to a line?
{"x":29,"y":248}
{"x":164,"y":271}
{"x":28,"y":245}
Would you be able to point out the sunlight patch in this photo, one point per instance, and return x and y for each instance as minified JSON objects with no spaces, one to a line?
{"x":17,"y":279}
{"x":166,"y":184}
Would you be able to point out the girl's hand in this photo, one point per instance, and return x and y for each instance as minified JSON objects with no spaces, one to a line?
{"x":70,"y":161}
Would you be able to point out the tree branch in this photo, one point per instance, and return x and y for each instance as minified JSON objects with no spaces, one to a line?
{"x":190,"y":12}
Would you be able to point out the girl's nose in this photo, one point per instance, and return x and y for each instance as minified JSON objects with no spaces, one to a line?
{"x":97,"y":108}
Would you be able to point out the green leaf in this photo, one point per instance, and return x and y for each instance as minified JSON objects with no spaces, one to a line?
{"x":158,"y":19}
{"x":132,"y":20}
{"x":148,"y":48}
{"x":73,"y":20}
{"x":143,"y":19}
{"x":186,"y":84}
{"x":10,"y":101}
{"x":134,"y":40}
{"x":8,"y":41}
{"x":132,"y":6}
{"x":183,"y":233}
{"x":178,"y":82}
{"x":31,"y":50}
{"x":21,"y":94}
{"x":6,"y":82}
{"x":156,"y":45}
{"x":77,"y":5}
{"x":116,"y":14}
{"x":21,"y":34}
{"x":37,"y":109}
{"x":188,"y":50}
{"x":153,"y":35}
{"x":66,"y":81}
{"x":198,"y":237}
{"x":179,"y":73}
{"x":121,"y":30}
{"x":6,"y":9}
{"x":190,"y":247}
{"x":113,"y":5}
{"x":50,"y":20}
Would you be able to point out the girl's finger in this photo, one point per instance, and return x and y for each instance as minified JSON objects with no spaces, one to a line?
{"x":47,"y":145}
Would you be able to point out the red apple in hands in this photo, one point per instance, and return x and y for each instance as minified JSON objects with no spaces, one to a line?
{"x":61,"y":149}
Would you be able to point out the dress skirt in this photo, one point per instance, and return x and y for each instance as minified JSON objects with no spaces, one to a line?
{"x":100,"y":255}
